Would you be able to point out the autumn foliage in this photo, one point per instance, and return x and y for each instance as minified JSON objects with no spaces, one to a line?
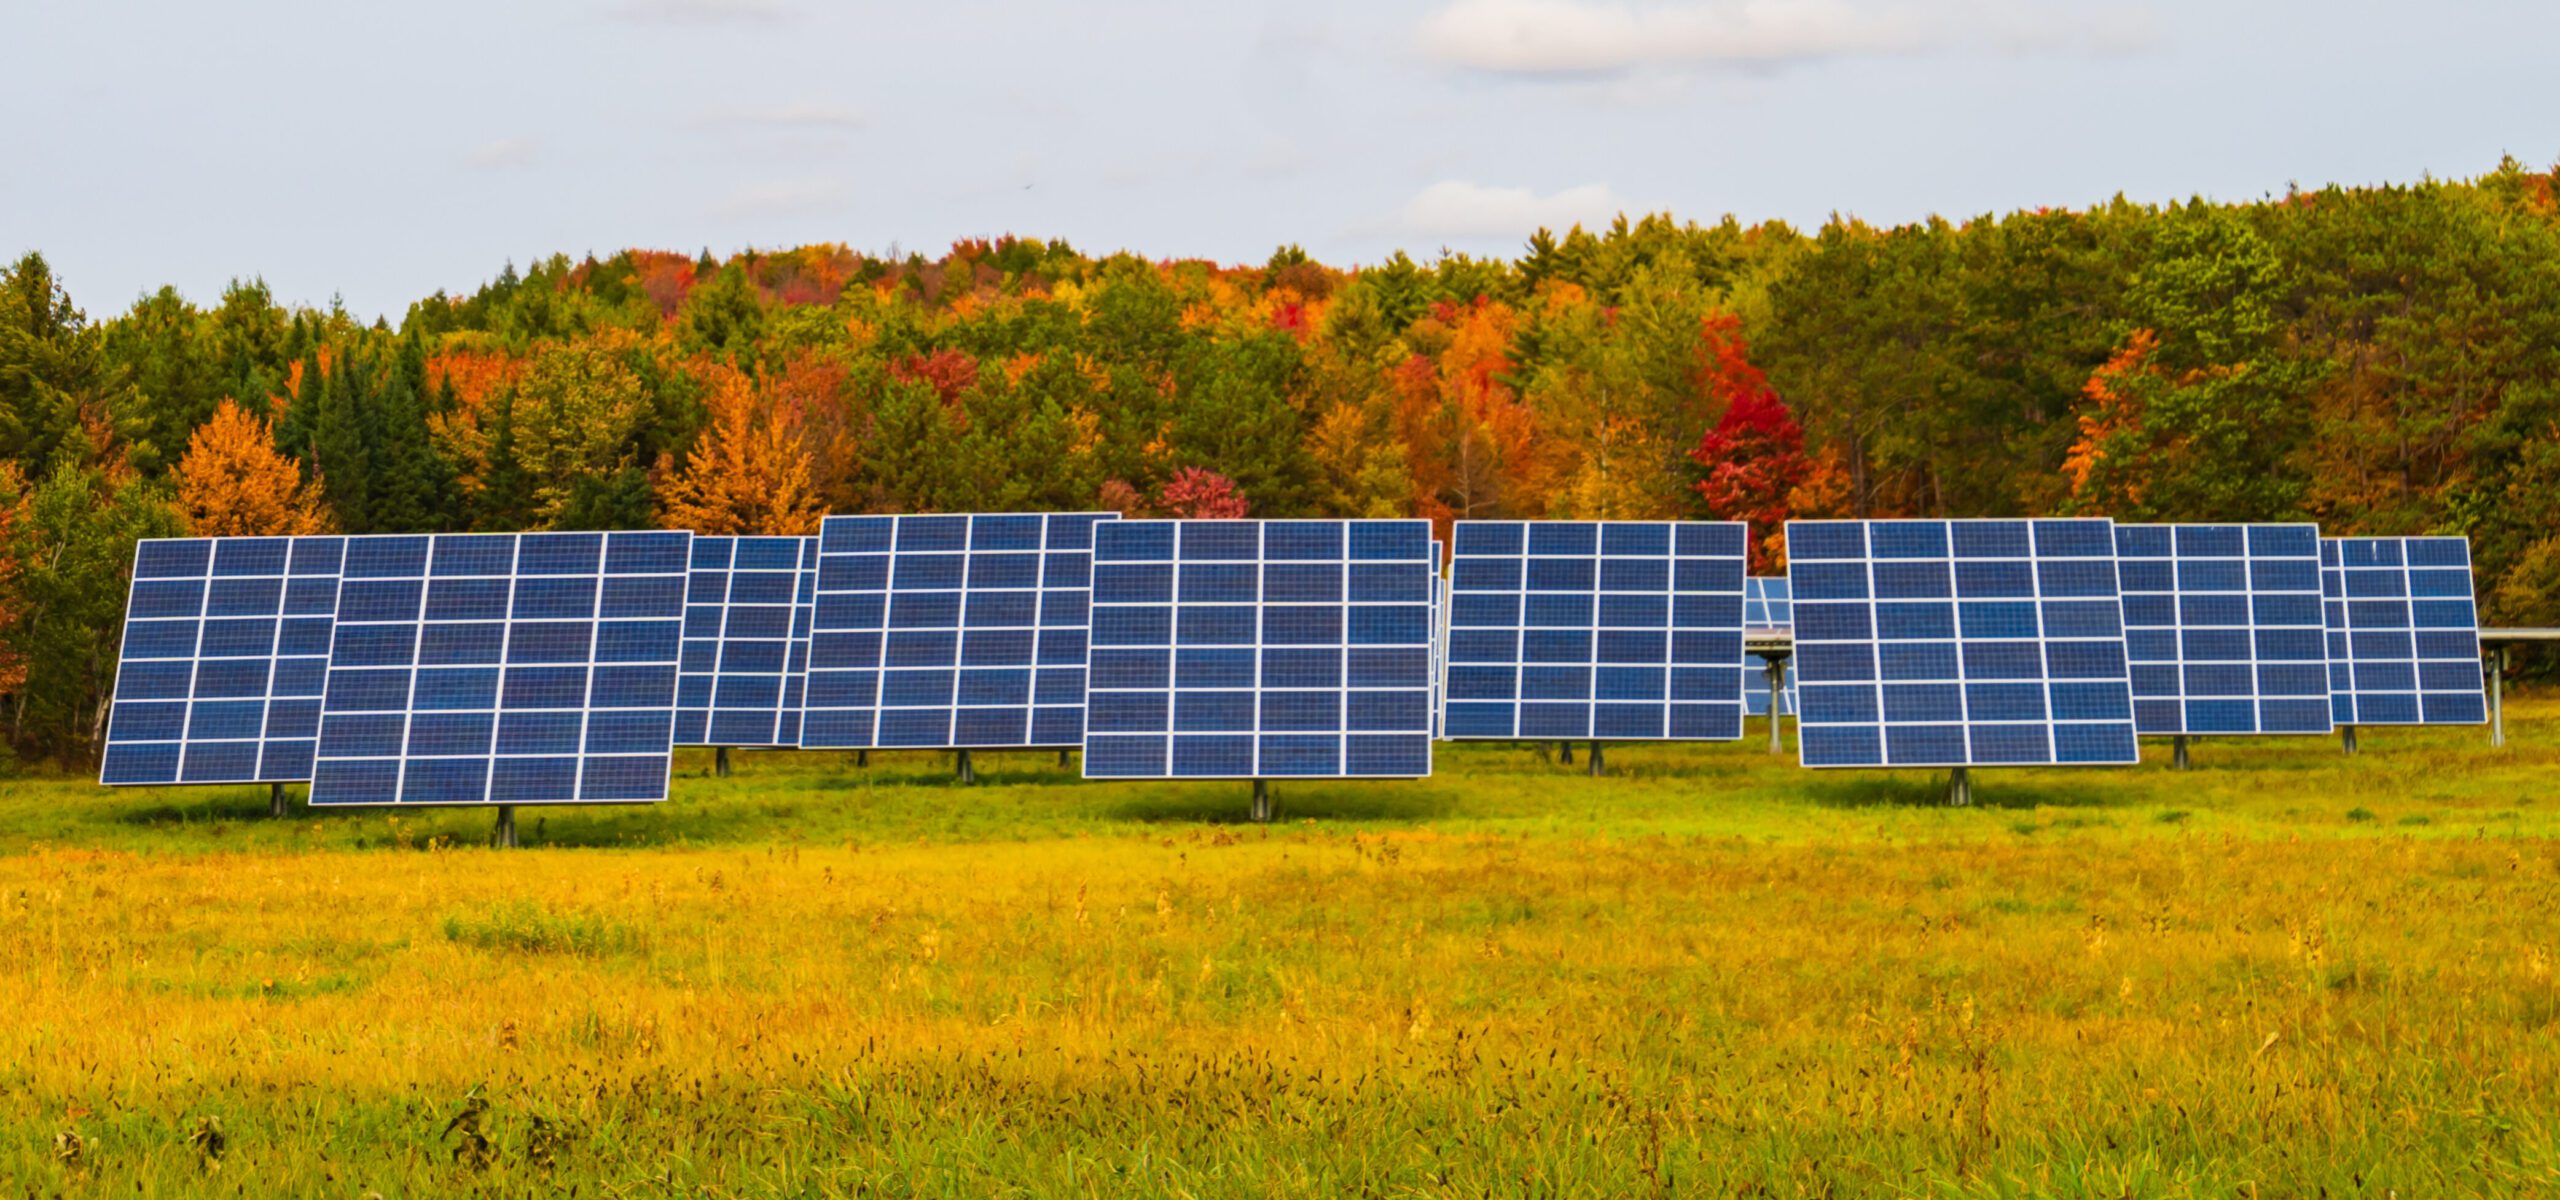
{"x":1195,"y":494}
{"x":234,"y":483}
{"x":749,"y":472}
{"x":1754,"y":453}
{"x":2380,"y":360}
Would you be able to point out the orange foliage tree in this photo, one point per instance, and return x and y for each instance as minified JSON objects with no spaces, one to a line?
{"x":749,"y":473}
{"x":1469,"y":441}
{"x":2107,"y":463}
{"x":234,"y":483}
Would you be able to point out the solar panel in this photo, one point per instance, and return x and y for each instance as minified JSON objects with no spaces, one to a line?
{"x":2403,"y":636}
{"x":1768,"y":606}
{"x":1615,"y":630}
{"x":534,"y":668}
{"x":1439,"y":632}
{"x":1261,"y":649}
{"x":226,"y":646}
{"x":960,"y":631}
{"x":1959,"y":643}
{"x":746,"y":641}
{"x":2222,"y":628}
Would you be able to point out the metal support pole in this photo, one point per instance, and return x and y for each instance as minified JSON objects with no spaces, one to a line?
{"x":1597,"y":766}
{"x":1959,"y":788}
{"x":1066,"y":757}
{"x":1777,"y":671}
{"x":275,"y":801}
{"x":2347,"y":738}
{"x":2498,"y":698}
{"x":2178,"y":752}
{"x":968,"y":770}
{"x":504,"y":836}
{"x":1564,"y":753}
{"x":862,"y":758}
{"x":720,"y":761}
{"x":1262,"y":802}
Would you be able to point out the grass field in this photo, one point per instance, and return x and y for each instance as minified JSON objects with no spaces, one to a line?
{"x":2285,"y":973}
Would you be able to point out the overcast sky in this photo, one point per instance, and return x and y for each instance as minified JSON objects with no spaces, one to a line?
{"x":380,"y":152}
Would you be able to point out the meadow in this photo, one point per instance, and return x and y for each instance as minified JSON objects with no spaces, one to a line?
{"x":2287,"y":972}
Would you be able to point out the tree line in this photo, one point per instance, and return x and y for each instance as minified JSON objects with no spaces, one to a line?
{"x":2383,"y":360}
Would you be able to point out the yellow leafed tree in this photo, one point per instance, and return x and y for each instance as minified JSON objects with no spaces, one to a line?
{"x":749,"y":471}
{"x":234,"y":483}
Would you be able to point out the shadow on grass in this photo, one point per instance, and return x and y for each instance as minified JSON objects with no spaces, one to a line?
{"x":225,"y":806}
{"x":1990,"y":790}
{"x":1232,"y":804}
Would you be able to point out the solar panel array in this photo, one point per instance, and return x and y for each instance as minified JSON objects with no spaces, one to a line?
{"x":746,"y":641}
{"x":1959,"y":643}
{"x":2223,"y":628}
{"x":1768,"y":606}
{"x":1617,"y":630}
{"x":2403,"y":635}
{"x":561,"y":668}
{"x":226,"y":649}
{"x":950,"y":632}
{"x":1261,"y":649}
{"x":535,"y":668}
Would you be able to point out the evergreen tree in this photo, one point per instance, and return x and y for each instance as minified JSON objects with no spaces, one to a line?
{"x":52,"y":369}
{"x":412,"y":485}
{"x":342,"y":440}
{"x":73,"y":540}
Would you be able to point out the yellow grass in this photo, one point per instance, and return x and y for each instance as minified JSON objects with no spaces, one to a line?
{"x":1712,"y":975}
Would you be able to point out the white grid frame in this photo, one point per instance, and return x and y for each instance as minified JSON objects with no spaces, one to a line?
{"x":759,"y":726}
{"x":350,"y":771}
{"x":1106,"y":750}
{"x":1827,"y":740}
{"x":1715,"y":719}
{"x":158,"y":679}
{"x":845,"y":689}
{"x":2168,"y":608}
{"x":2360,"y":580}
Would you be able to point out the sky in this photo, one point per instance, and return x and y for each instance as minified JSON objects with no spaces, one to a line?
{"x":377,"y":153}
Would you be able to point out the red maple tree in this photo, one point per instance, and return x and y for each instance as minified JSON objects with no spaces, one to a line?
{"x":1754,"y":454}
{"x":1197,"y":494}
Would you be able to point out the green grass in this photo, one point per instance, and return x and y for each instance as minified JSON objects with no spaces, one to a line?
{"x":2285,"y":972}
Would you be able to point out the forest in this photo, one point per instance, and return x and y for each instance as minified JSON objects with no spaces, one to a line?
{"x":2383,"y":360}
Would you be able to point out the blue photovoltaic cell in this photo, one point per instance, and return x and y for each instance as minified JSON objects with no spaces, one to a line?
{"x":746,"y":641}
{"x":2403,"y":637}
{"x":1261,"y":649}
{"x":957,"y":631}
{"x":535,"y":668}
{"x":1958,"y":643}
{"x":1767,"y":606}
{"x":2222,"y":628}
{"x":225,"y":651}
{"x":1608,"y":630}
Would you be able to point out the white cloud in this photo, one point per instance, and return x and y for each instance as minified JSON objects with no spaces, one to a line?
{"x":702,"y":12}
{"x":1603,"y":37}
{"x":1456,"y":208}
{"x":501,"y":155}
{"x":799,"y":116}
